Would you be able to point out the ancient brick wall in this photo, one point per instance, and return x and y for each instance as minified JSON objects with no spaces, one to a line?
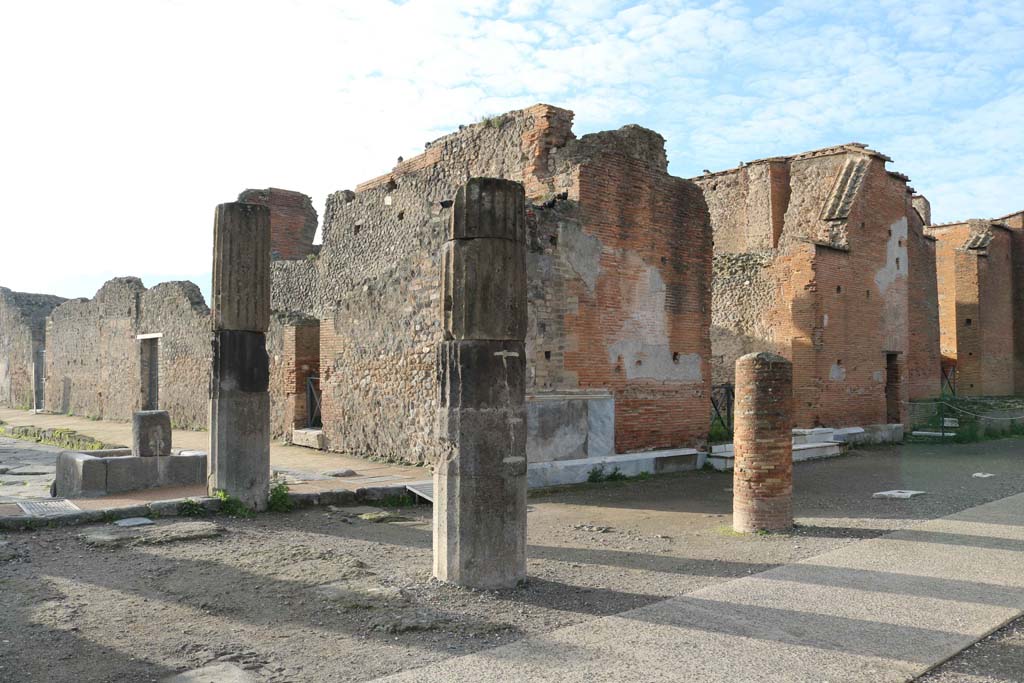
{"x":620,"y":298}
{"x":834,"y":294}
{"x":22,"y":338}
{"x":293,"y":346}
{"x":1015,"y":222}
{"x":975,"y":269}
{"x":293,"y":221}
{"x":619,"y":283}
{"x":93,"y":359}
{"x":924,"y":358}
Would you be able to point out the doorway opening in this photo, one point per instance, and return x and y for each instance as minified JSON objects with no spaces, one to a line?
{"x":149,"y":367}
{"x":892,"y":388}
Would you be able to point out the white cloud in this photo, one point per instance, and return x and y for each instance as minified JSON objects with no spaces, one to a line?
{"x":125,"y":122}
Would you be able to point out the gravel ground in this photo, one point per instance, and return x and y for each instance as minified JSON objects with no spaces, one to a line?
{"x":996,"y":659}
{"x":324,"y":595}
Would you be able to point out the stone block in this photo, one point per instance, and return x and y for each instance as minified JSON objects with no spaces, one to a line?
{"x":182,"y":470}
{"x":489,"y":207}
{"x":480,"y":530}
{"x":340,"y":497}
{"x":600,"y":427}
{"x":132,"y":474}
{"x":556,"y":429}
{"x":240,"y":299}
{"x":240,"y":361}
{"x":239,"y":461}
{"x":80,"y":476}
{"x":151,"y":433}
{"x":483,"y":289}
{"x":481,"y":374}
{"x":309,"y":438}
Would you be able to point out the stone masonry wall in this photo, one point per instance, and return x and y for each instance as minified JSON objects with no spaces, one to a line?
{"x":619,"y":283}
{"x":745,"y":311}
{"x":833,"y":295}
{"x":93,"y":360}
{"x":22,"y":337}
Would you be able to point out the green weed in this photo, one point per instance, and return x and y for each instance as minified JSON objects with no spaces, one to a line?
{"x":231,"y":506}
{"x":279,"y":500}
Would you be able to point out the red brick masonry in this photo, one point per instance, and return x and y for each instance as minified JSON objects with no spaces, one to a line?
{"x":762,"y":498}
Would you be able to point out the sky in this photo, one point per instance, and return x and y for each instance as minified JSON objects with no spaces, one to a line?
{"x":123,"y":124}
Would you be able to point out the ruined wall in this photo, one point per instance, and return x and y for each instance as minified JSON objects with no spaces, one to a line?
{"x":178,"y":312}
{"x":620,"y":292}
{"x":975,"y":270}
{"x":749,"y":206}
{"x":748,"y":313}
{"x":22,"y":339}
{"x":924,"y":376}
{"x":834,"y":294}
{"x":93,"y":359}
{"x":996,"y":294}
{"x":1015,"y":222}
{"x":293,"y":221}
{"x":618,"y":276}
{"x":293,"y":347}
{"x":923,"y":208}
{"x":863,"y":293}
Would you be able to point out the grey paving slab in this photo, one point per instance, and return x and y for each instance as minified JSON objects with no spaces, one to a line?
{"x":885,"y":609}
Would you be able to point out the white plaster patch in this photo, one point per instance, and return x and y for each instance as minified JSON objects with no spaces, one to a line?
{"x":837,"y":372}
{"x":643,"y":341}
{"x":582,"y":251}
{"x":895,"y":256}
{"x":878,"y":376}
{"x":824,"y":320}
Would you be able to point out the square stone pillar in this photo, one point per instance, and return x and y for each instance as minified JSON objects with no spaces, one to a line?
{"x":239,"y":401}
{"x":480,"y":482}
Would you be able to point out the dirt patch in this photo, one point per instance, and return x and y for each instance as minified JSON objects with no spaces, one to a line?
{"x":323,"y":595}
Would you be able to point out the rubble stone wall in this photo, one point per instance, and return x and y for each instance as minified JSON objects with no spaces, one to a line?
{"x":93,"y":359}
{"x":22,"y":338}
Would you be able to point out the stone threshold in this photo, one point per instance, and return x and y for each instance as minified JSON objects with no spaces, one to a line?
{"x":577,"y":471}
{"x":722,"y":459}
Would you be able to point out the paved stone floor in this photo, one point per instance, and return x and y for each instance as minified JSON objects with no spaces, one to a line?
{"x":885,"y":609}
{"x":27,"y":469}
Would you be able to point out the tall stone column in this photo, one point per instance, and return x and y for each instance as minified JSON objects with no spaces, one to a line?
{"x":480,"y":482}
{"x":762,"y":489}
{"x":239,"y":401}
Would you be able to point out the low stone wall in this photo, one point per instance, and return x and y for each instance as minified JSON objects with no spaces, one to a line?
{"x":62,"y":438}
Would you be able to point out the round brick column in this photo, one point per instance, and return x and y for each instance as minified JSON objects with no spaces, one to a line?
{"x":762,"y":498}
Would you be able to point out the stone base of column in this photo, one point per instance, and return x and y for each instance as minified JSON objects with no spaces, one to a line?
{"x":240,"y":446}
{"x":480,"y":530}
